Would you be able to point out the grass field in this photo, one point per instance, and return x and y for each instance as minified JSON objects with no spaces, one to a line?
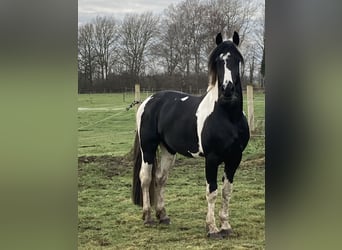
{"x":109,"y":220}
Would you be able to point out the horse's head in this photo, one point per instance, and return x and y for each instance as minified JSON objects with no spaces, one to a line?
{"x":224,"y":67}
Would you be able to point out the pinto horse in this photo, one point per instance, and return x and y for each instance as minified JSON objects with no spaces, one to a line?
{"x":213,"y":126}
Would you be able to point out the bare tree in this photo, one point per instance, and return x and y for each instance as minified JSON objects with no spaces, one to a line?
{"x":105,"y":38}
{"x":182,"y":37}
{"x":86,"y":51}
{"x":227,"y":16}
{"x":190,"y":28}
{"x":136,"y":34}
{"x":254,"y":47}
{"x":262,"y":68}
{"x":179,"y":42}
{"x":180,"y":17}
{"x":168,"y":40}
{"x":197,"y":32}
{"x":261,"y":43}
{"x":214,"y":23}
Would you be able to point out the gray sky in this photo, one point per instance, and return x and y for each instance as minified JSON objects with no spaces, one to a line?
{"x":89,"y":9}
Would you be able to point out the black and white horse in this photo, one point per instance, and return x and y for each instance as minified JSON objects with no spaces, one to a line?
{"x":212,"y":126}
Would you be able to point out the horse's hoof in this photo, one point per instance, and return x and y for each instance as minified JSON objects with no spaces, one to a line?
{"x":214,"y":235}
{"x":165,"y":221}
{"x":225,"y":233}
{"x":149,"y":223}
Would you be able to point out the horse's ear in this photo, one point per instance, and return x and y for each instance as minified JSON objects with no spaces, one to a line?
{"x":219,"y":39}
{"x":236,"y":38}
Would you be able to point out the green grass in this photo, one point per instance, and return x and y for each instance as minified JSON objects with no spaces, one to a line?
{"x":107,"y":128}
{"x":109,"y":220}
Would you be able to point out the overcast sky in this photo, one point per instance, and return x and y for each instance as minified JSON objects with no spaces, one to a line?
{"x":89,"y":9}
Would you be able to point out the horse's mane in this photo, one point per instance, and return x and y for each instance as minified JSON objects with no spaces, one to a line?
{"x":223,"y":48}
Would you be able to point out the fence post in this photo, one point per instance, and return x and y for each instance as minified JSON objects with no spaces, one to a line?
{"x":137,"y":94}
{"x":250,"y":108}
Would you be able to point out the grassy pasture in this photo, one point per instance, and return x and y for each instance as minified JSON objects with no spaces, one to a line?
{"x":105,"y":127}
{"x":109,"y":220}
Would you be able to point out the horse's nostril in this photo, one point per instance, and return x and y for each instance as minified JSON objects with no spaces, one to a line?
{"x":230,"y":85}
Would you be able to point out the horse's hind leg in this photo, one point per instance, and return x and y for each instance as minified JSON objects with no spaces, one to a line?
{"x":146,"y":179}
{"x":161,"y":175}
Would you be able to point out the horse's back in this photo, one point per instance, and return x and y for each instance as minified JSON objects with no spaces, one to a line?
{"x":171,"y":115}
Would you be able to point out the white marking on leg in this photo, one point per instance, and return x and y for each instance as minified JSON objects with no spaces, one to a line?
{"x":205,"y":108}
{"x":145,"y":179}
{"x":166,"y":162}
{"x":226,"y":195}
{"x":211,"y":199}
{"x":184,"y":98}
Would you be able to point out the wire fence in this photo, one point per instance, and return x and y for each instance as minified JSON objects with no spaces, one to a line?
{"x":128,"y":98}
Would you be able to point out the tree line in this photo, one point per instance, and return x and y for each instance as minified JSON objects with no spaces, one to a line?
{"x":168,"y":50}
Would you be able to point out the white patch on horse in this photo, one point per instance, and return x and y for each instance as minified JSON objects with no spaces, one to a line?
{"x":184,"y":98}
{"x":195,"y":155}
{"x":205,"y":108}
{"x":227,"y":73}
{"x":139,"y":114}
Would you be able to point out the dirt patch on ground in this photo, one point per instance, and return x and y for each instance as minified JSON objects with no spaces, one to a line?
{"x":117,"y":165}
{"x":109,"y":165}
{"x":257,"y":162}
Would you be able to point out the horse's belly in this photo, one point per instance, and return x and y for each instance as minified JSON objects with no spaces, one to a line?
{"x":181,"y":140}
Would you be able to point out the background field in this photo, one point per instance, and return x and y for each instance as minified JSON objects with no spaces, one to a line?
{"x":109,"y":220}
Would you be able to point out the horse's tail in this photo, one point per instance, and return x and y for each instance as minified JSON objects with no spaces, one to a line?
{"x":137,"y":196}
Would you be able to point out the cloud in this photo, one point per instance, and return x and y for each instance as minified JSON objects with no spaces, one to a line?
{"x":89,"y":9}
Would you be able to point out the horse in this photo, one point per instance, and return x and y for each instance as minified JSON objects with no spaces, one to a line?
{"x":212,"y":126}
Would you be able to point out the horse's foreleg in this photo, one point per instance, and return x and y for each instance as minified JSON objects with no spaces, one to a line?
{"x":145,"y":179}
{"x":167,"y":161}
{"x":230,"y":167}
{"x":210,"y":220}
{"x":227,"y":188}
{"x":211,"y":194}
